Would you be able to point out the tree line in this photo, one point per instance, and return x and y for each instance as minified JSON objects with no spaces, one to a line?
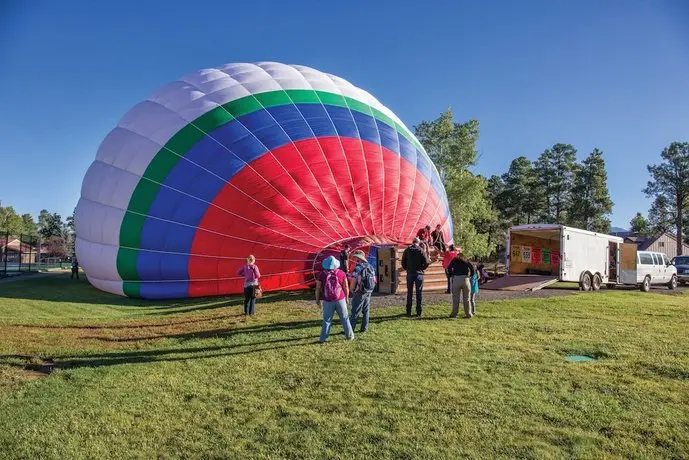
{"x":555,"y":188}
{"x":56,"y":237}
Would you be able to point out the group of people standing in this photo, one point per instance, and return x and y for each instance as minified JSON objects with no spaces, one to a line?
{"x":335,"y":284}
{"x":462,"y":275}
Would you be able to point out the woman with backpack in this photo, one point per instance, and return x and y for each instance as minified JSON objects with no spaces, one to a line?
{"x":332,"y":291}
{"x":251,"y":275}
{"x":362,"y":282}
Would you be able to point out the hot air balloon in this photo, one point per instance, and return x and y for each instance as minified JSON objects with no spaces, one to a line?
{"x":280,"y":161}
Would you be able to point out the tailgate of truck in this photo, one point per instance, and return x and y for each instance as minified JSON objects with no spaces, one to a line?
{"x":520,"y":283}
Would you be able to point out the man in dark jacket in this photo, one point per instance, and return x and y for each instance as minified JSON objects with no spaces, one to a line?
{"x":415,"y":261}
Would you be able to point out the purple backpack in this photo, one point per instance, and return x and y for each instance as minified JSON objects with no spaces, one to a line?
{"x":332,"y":290}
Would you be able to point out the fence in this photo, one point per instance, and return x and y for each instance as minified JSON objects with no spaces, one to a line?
{"x":19,"y":254}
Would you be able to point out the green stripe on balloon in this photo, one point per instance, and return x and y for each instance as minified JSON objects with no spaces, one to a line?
{"x":167,"y":157}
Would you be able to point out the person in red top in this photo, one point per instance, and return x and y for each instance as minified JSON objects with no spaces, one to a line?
{"x":447,"y":258}
{"x":332,"y":290}
{"x":424,"y":234}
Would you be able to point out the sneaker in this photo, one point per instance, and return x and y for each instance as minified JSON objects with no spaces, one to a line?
{"x":453,"y":316}
{"x":419,"y":317}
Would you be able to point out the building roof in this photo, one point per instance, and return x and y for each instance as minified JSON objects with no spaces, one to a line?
{"x":644,"y":242}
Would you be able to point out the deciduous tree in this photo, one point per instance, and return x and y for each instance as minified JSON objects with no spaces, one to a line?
{"x":452,"y":147}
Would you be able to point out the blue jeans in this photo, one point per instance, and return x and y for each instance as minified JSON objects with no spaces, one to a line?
{"x":361,"y":303}
{"x":329,"y":309}
{"x":249,"y":301}
{"x":414,"y":280}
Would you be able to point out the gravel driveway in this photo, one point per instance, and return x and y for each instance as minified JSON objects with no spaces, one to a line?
{"x":488,"y":295}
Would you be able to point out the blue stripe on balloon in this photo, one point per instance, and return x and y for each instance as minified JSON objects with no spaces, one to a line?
{"x":166,"y":290}
{"x":271,"y":128}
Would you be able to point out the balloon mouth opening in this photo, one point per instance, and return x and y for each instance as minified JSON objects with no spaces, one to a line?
{"x":363,"y":243}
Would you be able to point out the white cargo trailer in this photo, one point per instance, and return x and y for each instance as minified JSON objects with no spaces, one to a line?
{"x":542,"y":254}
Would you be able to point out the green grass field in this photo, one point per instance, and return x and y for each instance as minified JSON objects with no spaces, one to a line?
{"x":134,"y":379}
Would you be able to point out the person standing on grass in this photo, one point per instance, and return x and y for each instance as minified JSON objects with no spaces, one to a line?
{"x":332,"y":291}
{"x":75,"y":268}
{"x":461,"y":271}
{"x":415,"y":261}
{"x":362,"y":281}
{"x":474,"y":281}
{"x":251,"y":275}
{"x":447,"y":258}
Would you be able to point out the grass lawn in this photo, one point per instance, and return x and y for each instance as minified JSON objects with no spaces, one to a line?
{"x":192,"y":379}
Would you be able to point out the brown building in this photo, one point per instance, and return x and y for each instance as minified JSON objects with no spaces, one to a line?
{"x":17,"y":252}
{"x":665,"y":243}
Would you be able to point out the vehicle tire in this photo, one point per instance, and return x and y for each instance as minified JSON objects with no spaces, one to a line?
{"x":673,"y":282}
{"x":646,"y":285}
{"x":585,"y":283}
{"x":597,"y":281}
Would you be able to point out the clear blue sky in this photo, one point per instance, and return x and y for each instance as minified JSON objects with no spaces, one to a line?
{"x":606,"y":74}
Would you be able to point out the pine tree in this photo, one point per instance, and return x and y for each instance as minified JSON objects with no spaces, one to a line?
{"x":639,"y":225}
{"x":555,"y":170}
{"x":590,"y":200}
{"x":661,"y":216}
{"x":520,"y":202}
{"x":670,"y":179}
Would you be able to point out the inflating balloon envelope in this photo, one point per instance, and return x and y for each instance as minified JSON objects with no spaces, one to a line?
{"x":280,"y":161}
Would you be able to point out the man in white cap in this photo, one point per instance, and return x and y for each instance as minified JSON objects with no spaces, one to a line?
{"x":332,"y":291}
{"x":362,"y":281}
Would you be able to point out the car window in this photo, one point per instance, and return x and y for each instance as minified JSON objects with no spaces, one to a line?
{"x":645,"y":258}
{"x":681,"y":260}
{"x":655,"y":259}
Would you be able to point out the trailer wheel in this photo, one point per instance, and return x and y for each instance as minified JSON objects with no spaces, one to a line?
{"x":585,"y":283}
{"x":597,"y":281}
{"x":646,"y":285}
{"x":673,"y":282}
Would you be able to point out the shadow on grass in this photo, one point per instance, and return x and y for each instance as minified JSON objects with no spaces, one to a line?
{"x":48,"y":364}
{"x":226,"y":332}
{"x":60,"y":288}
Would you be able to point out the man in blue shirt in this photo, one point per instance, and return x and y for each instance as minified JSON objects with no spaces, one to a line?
{"x":361,"y":284}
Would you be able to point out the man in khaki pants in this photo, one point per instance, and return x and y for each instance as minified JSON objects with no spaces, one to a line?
{"x":460,"y":271}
